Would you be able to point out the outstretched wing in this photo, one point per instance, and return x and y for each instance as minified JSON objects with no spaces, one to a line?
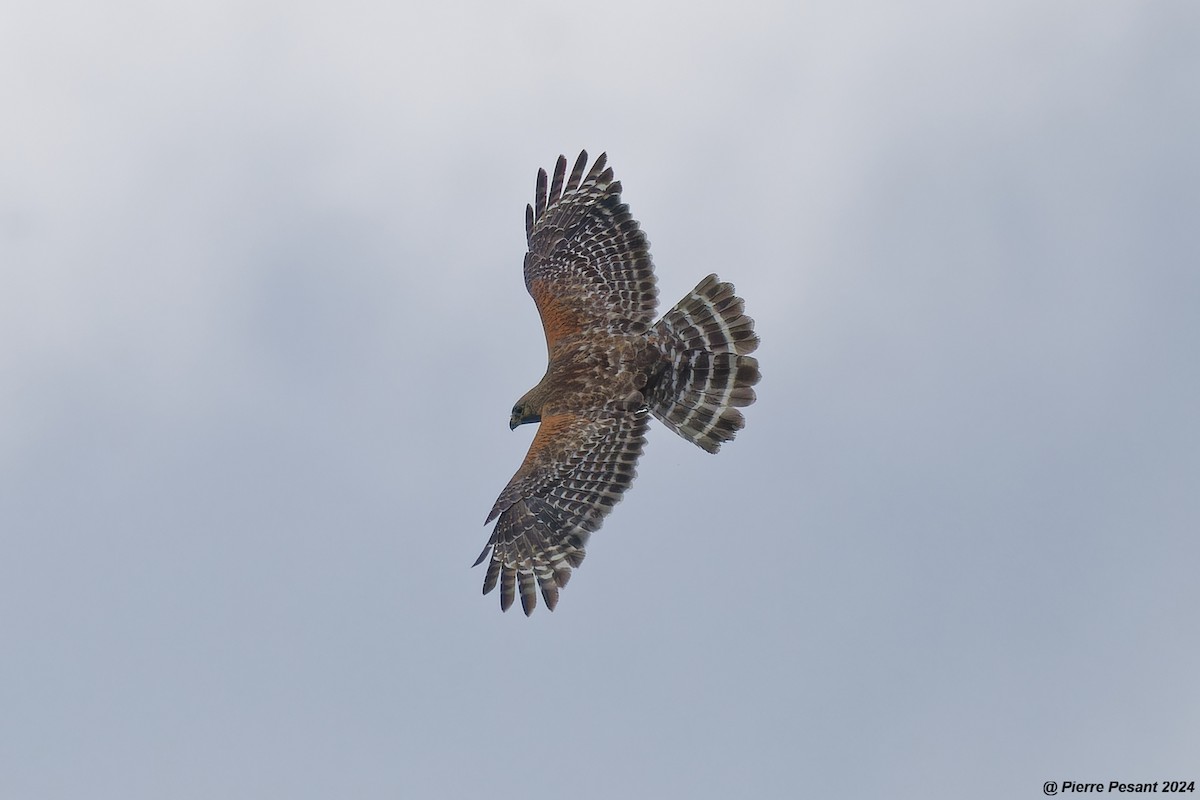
{"x":576,"y":470}
{"x":588,"y":265}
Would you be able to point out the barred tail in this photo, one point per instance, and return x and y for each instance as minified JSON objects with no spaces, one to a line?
{"x":706,"y":339}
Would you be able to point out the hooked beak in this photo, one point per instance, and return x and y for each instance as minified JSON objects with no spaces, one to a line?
{"x":516,"y":420}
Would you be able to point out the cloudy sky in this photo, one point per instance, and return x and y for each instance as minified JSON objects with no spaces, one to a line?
{"x":262,"y":322}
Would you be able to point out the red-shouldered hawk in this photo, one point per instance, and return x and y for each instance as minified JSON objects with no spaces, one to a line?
{"x":611,"y":366}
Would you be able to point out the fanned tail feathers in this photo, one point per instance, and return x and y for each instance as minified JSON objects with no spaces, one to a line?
{"x":707,"y":339}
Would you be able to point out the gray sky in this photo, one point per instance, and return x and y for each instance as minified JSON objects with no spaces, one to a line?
{"x":262,"y":322}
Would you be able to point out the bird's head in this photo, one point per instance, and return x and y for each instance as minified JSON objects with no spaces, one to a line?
{"x":523,"y":412}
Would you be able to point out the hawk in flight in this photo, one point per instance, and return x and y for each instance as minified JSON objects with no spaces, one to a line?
{"x":611,"y":367}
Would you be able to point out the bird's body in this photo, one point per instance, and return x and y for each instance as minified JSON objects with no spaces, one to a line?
{"x":610,"y":368}
{"x":588,"y":372}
